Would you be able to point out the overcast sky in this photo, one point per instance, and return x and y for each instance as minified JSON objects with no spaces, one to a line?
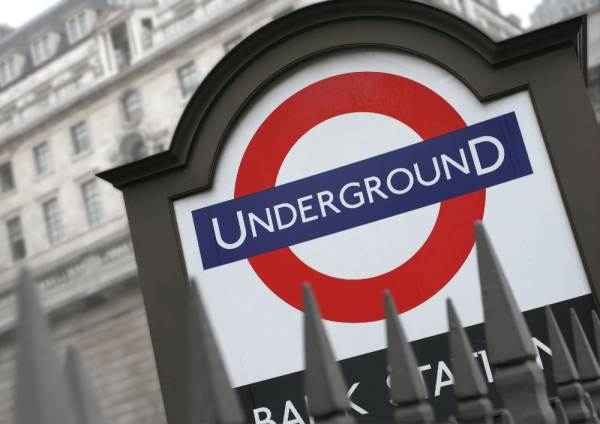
{"x":17,"y":12}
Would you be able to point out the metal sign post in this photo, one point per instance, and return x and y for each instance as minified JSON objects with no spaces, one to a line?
{"x":352,"y":144}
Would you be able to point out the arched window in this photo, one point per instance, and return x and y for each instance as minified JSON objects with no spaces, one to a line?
{"x":132,"y":106}
{"x":138,"y":151}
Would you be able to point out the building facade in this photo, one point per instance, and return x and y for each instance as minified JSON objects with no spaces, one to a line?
{"x":89,"y":85}
{"x":549,"y":12}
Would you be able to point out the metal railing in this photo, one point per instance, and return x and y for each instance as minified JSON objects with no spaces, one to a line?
{"x":45,"y":396}
{"x":518,"y":377}
{"x":85,"y":274}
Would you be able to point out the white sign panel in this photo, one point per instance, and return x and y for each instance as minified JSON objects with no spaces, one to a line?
{"x":361,"y":171}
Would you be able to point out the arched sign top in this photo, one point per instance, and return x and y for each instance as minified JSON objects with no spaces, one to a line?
{"x":155,"y":187}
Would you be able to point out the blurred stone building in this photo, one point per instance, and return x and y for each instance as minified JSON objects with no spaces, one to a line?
{"x":85,"y":86}
{"x":551,"y":11}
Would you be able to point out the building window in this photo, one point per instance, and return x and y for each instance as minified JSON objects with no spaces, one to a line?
{"x":81,"y":139}
{"x":42,"y":49}
{"x":147,"y":33}
{"x":78,"y":27}
{"x":7,"y":182}
{"x":138,"y":151}
{"x":15,"y":238}
{"x":188,"y":79}
{"x":8,"y":70}
{"x":120,"y":44}
{"x":43,"y":161}
{"x":93,"y":206}
{"x":132,"y":106}
{"x":53,"y":222}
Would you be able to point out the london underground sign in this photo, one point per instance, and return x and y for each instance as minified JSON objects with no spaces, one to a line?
{"x":352,"y":145}
{"x":404,"y":152}
{"x":262,"y":222}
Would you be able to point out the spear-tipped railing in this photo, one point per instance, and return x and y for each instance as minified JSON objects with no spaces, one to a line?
{"x":323,"y":379}
{"x":407,"y":388}
{"x":566,"y":376}
{"x":47,"y":397}
{"x":519,"y":379}
{"x":43,"y":394}
{"x":469,"y":387}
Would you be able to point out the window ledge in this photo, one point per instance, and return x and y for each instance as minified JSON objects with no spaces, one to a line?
{"x":78,"y":156}
{"x":39,"y":177}
{"x":131,"y":124}
{"x":4,"y":194}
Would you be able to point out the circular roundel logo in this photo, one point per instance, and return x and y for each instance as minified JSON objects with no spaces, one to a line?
{"x":448,"y":244}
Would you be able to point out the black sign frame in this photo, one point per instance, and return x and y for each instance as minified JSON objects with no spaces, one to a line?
{"x":550,"y":63}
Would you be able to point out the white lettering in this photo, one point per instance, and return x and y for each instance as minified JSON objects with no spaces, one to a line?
{"x":486,"y":138}
{"x":435,"y":179}
{"x":375,"y":188}
{"x":304,"y":208}
{"x":358,"y":195}
{"x":464,"y":167}
{"x":280,"y":225}
{"x":439,"y":383}
{"x":266,"y":420}
{"x":289,"y":407}
{"x":239,"y":242}
{"x":404,"y":190}
{"x":328,"y":202}
{"x":539,"y":345}
{"x":421,"y":369}
{"x":486,"y":365}
{"x":353,"y":405}
{"x":310,"y":417}
{"x":267,"y":226}
{"x":389,"y":384}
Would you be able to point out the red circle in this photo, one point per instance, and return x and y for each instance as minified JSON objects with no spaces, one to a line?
{"x":444,"y":251}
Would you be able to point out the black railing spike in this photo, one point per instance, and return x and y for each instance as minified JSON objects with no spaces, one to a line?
{"x":596,"y":323}
{"x":559,"y":411}
{"x":83,"y":397}
{"x":587,"y":365}
{"x":324,"y":383}
{"x":211,"y":398}
{"x":588,"y":401}
{"x":407,"y":388}
{"x":469,"y":387}
{"x":511,"y":338}
{"x":564,"y":367}
{"x":41,"y":390}
{"x":507,"y":417}
{"x":566,"y":376}
{"x":519,"y":379}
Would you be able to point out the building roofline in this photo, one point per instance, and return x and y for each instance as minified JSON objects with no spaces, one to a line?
{"x":51,"y":20}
